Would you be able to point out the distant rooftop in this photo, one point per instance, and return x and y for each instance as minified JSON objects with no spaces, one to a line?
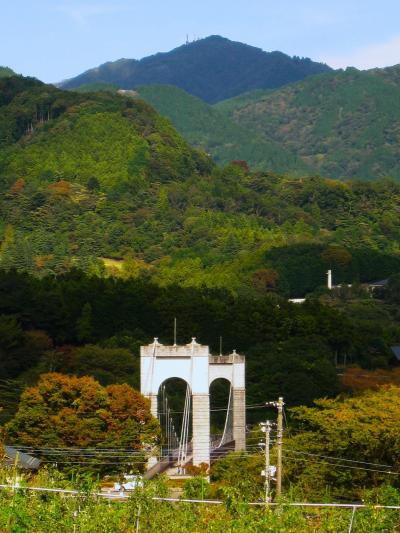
{"x":396,"y":352}
{"x":380,"y":283}
{"x":24,"y":460}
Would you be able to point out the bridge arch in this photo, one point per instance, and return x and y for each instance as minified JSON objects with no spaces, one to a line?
{"x":220,"y":408}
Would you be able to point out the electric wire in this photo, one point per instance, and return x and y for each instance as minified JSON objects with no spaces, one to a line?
{"x":350,"y":467}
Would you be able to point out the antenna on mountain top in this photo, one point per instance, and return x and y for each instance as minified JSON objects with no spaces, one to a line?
{"x":187,"y":38}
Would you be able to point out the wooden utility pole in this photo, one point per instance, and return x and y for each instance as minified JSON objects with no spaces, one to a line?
{"x":279,"y":405}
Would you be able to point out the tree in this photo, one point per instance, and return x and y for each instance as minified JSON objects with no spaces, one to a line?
{"x":300,"y":369}
{"x":240,"y":471}
{"x":359,"y":379}
{"x":265,"y":279}
{"x":345,"y":443}
{"x":336,"y":255}
{"x":392,"y":291}
{"x":12,"y":342}
{"x":93,"y":184}
{"x":107,"y":365}
{"x":67,"y":411}
{"x":84,"y":323}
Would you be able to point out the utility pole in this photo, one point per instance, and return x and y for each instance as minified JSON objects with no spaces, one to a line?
{"x":266,"y":428}
{"x":175,"y":331}
{"x":280,"y":405}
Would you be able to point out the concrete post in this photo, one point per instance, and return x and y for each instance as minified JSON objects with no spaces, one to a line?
{"x":153,"y":404}
{"x":239,"y":418}
{"x":201,"y":428}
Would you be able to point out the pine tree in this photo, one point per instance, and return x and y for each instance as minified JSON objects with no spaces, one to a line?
{"x":84,"y":327}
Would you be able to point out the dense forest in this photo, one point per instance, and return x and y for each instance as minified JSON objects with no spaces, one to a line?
{"x":342,"y":124}
{"x":213,"y":69}
{"x":112,"y":226}
{"x":338,"y":124}
{"x":87,"y":325}
{"x":206,"y":127}
{"x":100,"y":182}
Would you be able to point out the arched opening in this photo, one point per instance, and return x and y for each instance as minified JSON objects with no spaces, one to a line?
{"x":219,"y":404}
{"x":174,"y":409}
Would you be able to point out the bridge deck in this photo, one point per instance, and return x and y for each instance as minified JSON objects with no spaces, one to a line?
{"x":169,"y":462}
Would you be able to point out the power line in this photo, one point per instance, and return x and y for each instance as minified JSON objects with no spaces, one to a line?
{"x":337,"y":465}
{"x":339,"y":458}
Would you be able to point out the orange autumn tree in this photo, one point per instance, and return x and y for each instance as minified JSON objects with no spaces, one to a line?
{"x":359,"y":379}
{"x":72,"y":414}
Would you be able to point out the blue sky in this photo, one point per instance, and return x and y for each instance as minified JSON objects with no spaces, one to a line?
{"x":57,"y":39}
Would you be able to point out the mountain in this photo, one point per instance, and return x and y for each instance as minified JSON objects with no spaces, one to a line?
{"x":391,"y":74}
{"x":6,"y":72}
{"x":101,"y":182}
{"x":49,"y":134}
{"x":205,"y":127}
{"x":213,"y":69}
{"x":341,"y":124}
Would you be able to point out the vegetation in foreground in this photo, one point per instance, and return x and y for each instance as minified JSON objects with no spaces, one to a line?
{"x":35,"y":511}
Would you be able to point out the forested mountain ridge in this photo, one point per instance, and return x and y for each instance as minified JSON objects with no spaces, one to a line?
{"x":213,"y":69}
{"x":6,"y":72}
{"x":341,"y":124}
{"x":45,"y":131}
{"x":391,"y":74}
{"x":101,"y":182}
{"x":205,"y":127}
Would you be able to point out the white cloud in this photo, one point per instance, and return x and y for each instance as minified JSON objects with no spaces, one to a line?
{"x":374,"y":55}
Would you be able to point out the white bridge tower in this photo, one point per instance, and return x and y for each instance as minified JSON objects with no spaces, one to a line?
{"x":194,"y":364}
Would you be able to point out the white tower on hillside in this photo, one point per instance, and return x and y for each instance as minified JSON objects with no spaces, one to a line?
{"x":329,"y":274}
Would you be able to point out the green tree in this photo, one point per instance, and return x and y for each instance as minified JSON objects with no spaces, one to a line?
{"x":106,"y":365}
{"x":345,"y":443}
{"x":84,"y":327}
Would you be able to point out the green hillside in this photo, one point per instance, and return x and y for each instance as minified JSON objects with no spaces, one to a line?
{"x":205,"y":127}
{"x":95,"y":87}
{"x":391,"y":74}
{"x":342,"y":124}
{"x":237,"y":102}
{"x":49,"y":134}
{"x":101,"y":182}
{"x":6,"y":72}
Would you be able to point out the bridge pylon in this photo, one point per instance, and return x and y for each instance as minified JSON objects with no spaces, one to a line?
{"x":194,"y":364}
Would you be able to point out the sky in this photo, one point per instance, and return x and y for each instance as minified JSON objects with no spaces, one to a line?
{"x":57,"y":39}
